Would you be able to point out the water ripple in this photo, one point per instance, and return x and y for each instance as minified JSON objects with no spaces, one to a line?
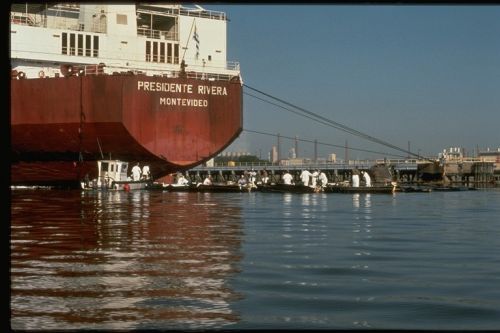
{"x":154,"y":260}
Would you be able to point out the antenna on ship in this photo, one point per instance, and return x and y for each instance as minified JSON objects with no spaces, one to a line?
{"x":189,"y":38}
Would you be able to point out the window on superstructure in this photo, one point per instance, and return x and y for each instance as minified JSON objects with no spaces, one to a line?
{"x":88,"y":46}
{"x":121,"y":19}
{"x":79,"y":45}
{"x":148,"y":50}
{"x":155,"y":51}
{"x":162,"y":52}
{"x":169,"y":53}
{"x":72,"y":44}
{"x":64,"y":45}
{"x":176,"y":53}
{"x":96,"y":46}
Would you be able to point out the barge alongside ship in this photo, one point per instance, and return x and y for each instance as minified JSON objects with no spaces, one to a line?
{"x":135,"y":82}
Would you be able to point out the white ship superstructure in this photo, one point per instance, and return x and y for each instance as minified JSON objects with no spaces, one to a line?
{"x":152,"y":39}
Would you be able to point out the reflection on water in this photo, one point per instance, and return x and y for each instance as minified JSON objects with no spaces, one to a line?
{"x":118,"y":260}
{"x":153,"y":260}
{"x":362,"y":233}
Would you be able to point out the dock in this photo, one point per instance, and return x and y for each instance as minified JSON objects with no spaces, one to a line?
{"x":470,"y":172}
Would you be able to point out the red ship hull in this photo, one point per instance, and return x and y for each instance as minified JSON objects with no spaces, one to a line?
{"x":61,"y":126}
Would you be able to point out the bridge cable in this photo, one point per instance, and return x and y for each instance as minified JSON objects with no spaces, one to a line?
{"x":328,"y":122}
{"x":317,"y":120}
{"x":324,"y":143}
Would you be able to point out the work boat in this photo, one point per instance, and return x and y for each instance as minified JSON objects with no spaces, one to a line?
{"x":112,"y":175}
{"x":145,"y":83}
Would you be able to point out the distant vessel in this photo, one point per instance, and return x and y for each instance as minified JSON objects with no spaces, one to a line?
{"x":142,"y":83}
{"x":113,"y":175}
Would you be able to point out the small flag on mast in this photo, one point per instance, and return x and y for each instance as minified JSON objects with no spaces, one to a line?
{"x":197,"y":40}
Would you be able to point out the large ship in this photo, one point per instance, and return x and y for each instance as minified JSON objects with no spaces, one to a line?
{"x":145,"y":83}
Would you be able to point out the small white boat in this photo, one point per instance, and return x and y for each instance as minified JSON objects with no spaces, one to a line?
{"x":112,"y":175}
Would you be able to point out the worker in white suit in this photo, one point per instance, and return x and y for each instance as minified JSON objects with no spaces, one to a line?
{"x":182,"y":181}
{"x":355,"y":178}
{"x":136,"y":172}
{"x":366,"y":177}
{"x":314,"y":178}
{"x":288,"y":178}
{"x":145,"y":172}
{"x":304,"y":177}
{"x":323,"y":179}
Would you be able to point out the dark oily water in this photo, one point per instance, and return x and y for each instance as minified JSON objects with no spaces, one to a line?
{"x":153,"y":260}
{"x":122,"y":260}
{"x":408,"y":261}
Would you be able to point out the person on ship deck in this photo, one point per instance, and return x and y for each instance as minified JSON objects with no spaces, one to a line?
{"x":264,"y":176}
{"x":304,"y":176}
{"x":288,"y":178}
{"x":242,"y":181}
{"x":252,"y":176}
{"x":323,"y":179}
{"x":314,"y":178}
{"x":355,"y":177}
{"x":182,"y":180}
{"x":145,"y":172}
{"x":136,"y":172}
{"x":208,"y":180}
{"x":366,"y":177}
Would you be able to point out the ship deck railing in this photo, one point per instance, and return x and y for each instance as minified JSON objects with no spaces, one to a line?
{"x":174,"y":11}
{"x":157,"y":34}
{"x":26,"y":19}
{"x":209,"y":76}
{"x":53,"y":22}
{"x":463,"y":159}
{"x":309,"y":165}
{"x":204,"y":13}
{"x":36,"y":20}
{"x":112,"y":70}
{"x":215,"y":66}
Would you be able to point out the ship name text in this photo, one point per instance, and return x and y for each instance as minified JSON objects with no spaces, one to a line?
{"x":182,"y":88}
{"x":183,"y":102}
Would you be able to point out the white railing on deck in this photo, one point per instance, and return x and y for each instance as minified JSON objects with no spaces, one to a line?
{"x":184,"y":11}
{"x":54,"y":22}
{"x":101,"y":69}
{"x":27,"y":19}
{"x":157,"y":34}
{"x":203,"y":13}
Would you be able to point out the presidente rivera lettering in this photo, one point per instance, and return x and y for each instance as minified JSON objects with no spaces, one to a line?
{"x":185,"y":88}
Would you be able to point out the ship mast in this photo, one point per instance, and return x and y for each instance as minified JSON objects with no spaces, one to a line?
{"x":183,"y":62}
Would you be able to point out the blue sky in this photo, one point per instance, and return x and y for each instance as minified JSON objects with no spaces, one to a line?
{"x":425,"y":74}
